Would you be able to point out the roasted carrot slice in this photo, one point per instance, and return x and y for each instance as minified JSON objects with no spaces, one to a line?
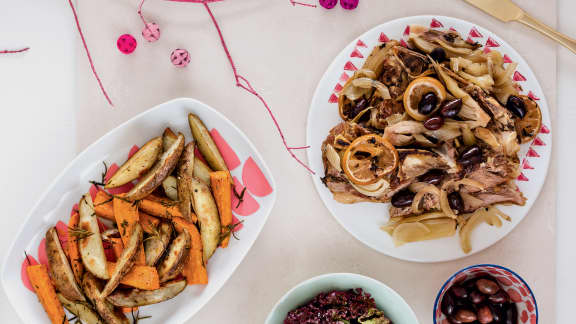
{"x":117,"y":246}
{"x":141,"y":277}
{"x":149,"y":223}
{"x":103,"y":205}
{"x":159,"y":207}
{"x":38,"y":275}
{"x":127,"y":216}
{"x":222,"y":191}
{"x":194,"y":269}
{"x":73,"y":249}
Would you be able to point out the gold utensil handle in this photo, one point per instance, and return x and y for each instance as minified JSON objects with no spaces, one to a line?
{"x":530,"y":21}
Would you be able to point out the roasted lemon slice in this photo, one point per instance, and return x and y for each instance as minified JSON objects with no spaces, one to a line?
{"x":529,"y":126}
{"x":423,"y":96}
{"x":368,"y":159}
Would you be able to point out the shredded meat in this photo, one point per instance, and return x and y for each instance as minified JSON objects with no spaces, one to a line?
{"x":504,"y":193}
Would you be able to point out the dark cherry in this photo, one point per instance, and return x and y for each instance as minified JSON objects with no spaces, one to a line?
{"x":500,"y":297}
{"x":427,"y":103}
{"x":433,"y":177}
{"x":438,"y":54}
{"x":516,"y":106}
{"x":459,"y":292}
{"x":456,"y":202}
{"x":434,"y":123}
{"x":477,"y":297}
{"x":511,"y":314}
{"x":403,"y":199}
{"x":448,"y":304}
{"x":451,"y":108}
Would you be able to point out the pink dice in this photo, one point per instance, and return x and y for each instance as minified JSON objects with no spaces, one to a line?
{"x":126,"y":43}
{"x":180,"y":57}
{"x":151,"y":32}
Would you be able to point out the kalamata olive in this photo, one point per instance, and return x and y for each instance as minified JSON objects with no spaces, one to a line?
{"x":357,"y":108}
{"x":500,"y":297}
{"x":476,"y":297}
{"x":447,"y":305}
{"x":403,"y":199}
{"x":465,"y":316}
{"x":487,"y":286}
{"x":451,"y":108}
{"x":433,"y":177}
{"x":470,"y":156}
{"x":516,"y":106}
{"x":434,"y":123}
{"x":438,"y":54}
{"x":459,"y":292}
{"x":511,"y":314}
{"x":427,"y":103}
{"x":456,"y":202}
{"x":485,"y":315}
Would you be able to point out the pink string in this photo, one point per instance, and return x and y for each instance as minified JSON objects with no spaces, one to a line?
{"x":294,"y":3}
{"x":243,"y":83}
{"x":140,"y":13}
{"x":88,"y":54}
{"x":14,"y":51}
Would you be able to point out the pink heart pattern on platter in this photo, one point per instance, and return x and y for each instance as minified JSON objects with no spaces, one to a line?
{"x":252,"y":175}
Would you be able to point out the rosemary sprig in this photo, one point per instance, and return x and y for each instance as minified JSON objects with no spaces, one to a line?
{"x":137,"y":317}
{"x":79,"y":233}
{"x":124,"y":225}
{"x":104,"y":202}
{"x":27,"y":258}
{"x":102,"y":181}
{"x":239,"y":196}
{"x":229,"y":230}
{"x":133,"y":202}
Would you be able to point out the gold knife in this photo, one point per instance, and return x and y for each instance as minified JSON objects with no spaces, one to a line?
{"x":507,"y":11}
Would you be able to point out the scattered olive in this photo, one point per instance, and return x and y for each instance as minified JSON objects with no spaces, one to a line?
{"x":465,"y":316}
{"x":438,"y":54}
{"x":451,"y":108}
{"x":516,"y":106}
{"x":427,"y":103}
{"x":403,"y":199}
{"x":456,"y":202}
{"x":470,"y":156}
{"x":357,"y":108}
{"x":434,"y":123}
{"x":485,"y":315}
{"x":459,"y":292}
{"x":500,"y":297}
{"x":477,"y":297}
{"x":433,"y":177}
{"x":487,"y":286}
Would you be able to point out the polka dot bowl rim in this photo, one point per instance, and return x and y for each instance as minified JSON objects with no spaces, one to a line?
{"x":451,"y":280}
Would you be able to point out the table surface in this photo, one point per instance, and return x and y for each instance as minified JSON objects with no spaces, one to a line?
{"x":48,"y":74}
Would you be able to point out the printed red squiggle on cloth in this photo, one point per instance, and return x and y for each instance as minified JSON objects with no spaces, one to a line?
{"x":14,"y":51}
{"x":243,"y":83}
{"x":294,"y":3}
{"x":88,"y":54}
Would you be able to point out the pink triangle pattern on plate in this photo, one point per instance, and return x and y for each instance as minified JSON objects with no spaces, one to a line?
{"x":490,"y":42}
{"x":133,"y":150}
{"x":254,"y":179}
{"x":507,"y":59}
{"x":518,"y":76}
{"x":435,"y":23}
{"x":360,"y":43}
{"x":333,"y":99}
{"x":526,"y":165}
{"x":62,"y":230}
{"x":248,"y":206}
{"x":349,"y":66}
{"x":383,"y":38}
{"x":230,"y":157}
{"x":474,"y":32}
{"x":120,"y":190}
{"x":356,"y":53}
{"x":24,"y":273}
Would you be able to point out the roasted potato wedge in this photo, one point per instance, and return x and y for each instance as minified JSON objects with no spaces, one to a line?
{"x":155,"y":176}
{"x":177,"y":255}
{"x":60,"y":270}
{"x":107,"y":311}
{"x":138,"y":164}
{"x":125,"y":261}
{"x":168,"y":137}
{"x":82,"y":310}
{"x":137,"y":297}
{"x":185,"y":175}
{"x":206,"y":144}
{"x":154,"y":246}
{"x":89,"y":241}
{"x":208,"y":217}
{"x":170,"y":185}
{"x":201,"y":171}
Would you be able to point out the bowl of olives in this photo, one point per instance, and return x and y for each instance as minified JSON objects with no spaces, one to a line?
{"x":485,"y":294}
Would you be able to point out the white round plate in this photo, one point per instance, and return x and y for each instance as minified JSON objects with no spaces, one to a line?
{"x":363,"y":220}
{"x":248,"y":168}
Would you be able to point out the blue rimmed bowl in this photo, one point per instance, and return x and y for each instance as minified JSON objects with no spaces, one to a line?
{"x":510,"y":281}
